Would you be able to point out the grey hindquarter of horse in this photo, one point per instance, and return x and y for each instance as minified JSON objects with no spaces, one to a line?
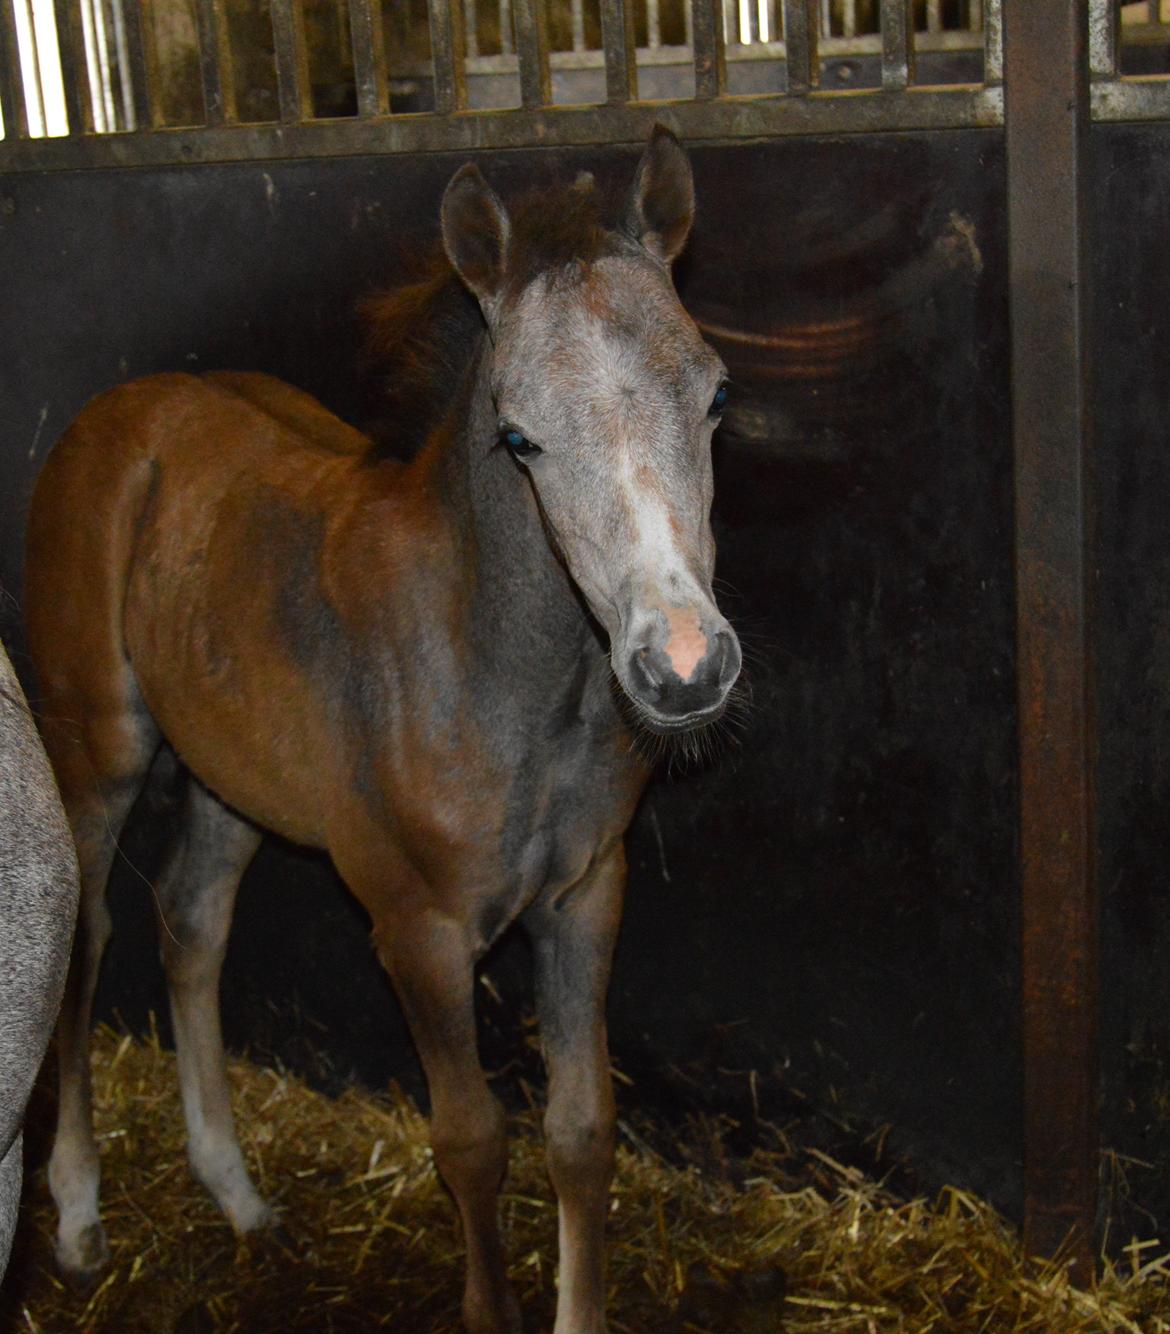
{"x":38,"y":905}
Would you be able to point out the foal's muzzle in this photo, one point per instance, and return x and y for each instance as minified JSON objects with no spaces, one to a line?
{"x":670,"y":703}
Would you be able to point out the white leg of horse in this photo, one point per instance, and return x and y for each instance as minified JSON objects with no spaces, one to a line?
{"x":196,"y":895}
{"x":74,"y":1171}
{"x":573,"y":944}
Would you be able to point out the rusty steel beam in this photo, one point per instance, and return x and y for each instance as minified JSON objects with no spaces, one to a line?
{"x":800,"y":46}
{"x":531,"y":23}
{"x":294,"y":90}
{"x":369,"y":57}
{"x":709,"y":47}
{"x":448,"y":56}
{"x":617,"y":37}
{"x":215,"y":61}
{"x":1046,"y":78}
{"x":897,"y":20}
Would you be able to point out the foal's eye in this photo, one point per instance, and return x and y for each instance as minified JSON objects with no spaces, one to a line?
{"x":518,"y":445}
{"x":718,"y":401}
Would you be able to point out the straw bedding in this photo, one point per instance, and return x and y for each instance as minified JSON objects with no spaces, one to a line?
{"x":786,"y":1239}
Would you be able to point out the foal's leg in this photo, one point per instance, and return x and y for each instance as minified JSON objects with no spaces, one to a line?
{"x":101,"y":762}
{"x":196,"y":895}
{"x":573,"y":941}
{"x":431,"y":963}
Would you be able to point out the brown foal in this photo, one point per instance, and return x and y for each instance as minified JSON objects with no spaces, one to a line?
{"x":411,"y":665}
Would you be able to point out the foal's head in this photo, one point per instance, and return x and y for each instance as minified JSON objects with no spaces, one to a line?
{"x":607,"y":396}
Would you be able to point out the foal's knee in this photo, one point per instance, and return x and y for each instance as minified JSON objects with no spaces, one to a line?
{"x":470,"y":1144}
{"x":580,"y":1144}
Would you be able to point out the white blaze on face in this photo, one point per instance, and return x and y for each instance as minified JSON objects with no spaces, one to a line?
{"x":669,"y":588}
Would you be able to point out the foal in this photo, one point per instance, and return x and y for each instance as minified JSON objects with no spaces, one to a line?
{"x":411,"y":666}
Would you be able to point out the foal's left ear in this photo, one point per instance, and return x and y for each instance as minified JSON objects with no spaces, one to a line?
{"x":661,"y":204}
{"x":475,"y":232}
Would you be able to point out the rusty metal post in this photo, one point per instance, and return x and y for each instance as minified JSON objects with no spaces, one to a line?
{"x":1047,"y":122}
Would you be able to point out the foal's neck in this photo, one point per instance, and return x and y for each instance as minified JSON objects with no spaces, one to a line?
{"x":526,"y":614}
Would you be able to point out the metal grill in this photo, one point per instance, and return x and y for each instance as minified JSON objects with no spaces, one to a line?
{"x":101,"y":82}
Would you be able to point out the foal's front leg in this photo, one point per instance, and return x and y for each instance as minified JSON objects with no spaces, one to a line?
{"x":573,"y":938}
{"x":431,"y":962}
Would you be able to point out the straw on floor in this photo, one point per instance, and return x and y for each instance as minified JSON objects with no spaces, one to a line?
{"x":790,"y":1240}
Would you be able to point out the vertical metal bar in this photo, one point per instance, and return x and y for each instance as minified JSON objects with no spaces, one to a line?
{"x":933,"y":16}
{"x":1047,"y":135}
{"x":369,"y":57}
{"x":577,"y":15}
{"x":122,"y":51}
{"x":215,"y":59}
{"x":993,"y":44}
{"x":12,"y":102}
{"x":97,"y":90}
{"x":800,"y":45}
{"x":447,"y":56}
{"x":34,"y":88}
{"x":1104,"y":39}
{"x":507,"y":46}
{"x":709,"y":49}
{"x":688,"y":24}
{"x":974,"y":15}
{"x":471,"y":27}
{"x":74,"y":76}
{"x":730,"y":24}
{"x":532,"y":47}
{"x":617,"y":37}
{"x":849,"y":18}
{"x":897,"y":44}
{"x":142,"y":65}
{"x":653,"y":25}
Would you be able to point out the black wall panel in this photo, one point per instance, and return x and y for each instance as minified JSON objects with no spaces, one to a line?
{"x":832,"y":902}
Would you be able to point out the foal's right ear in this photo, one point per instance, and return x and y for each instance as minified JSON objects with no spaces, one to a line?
{"x":475,"y":232}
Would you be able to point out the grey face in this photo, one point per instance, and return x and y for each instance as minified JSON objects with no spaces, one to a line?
{"x":605,"y":374}
{"x":608,"y":397}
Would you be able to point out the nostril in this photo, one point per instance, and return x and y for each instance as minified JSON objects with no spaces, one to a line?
{"x":729,"y":658}
{"x":644,"y":671}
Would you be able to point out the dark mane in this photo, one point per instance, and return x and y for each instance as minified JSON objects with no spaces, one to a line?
{"x":423,"y":334}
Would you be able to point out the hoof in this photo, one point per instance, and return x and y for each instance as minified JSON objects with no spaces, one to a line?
{"x":81,"y":1261}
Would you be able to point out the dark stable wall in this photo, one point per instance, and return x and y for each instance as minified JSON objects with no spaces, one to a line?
{"x":823,"y":920}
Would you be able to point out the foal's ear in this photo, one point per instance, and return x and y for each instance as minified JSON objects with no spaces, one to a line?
{"x":661,"y":204}
{"x":475,"y":232}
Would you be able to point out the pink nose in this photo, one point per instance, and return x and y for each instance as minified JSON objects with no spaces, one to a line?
{"x":686,"y":644}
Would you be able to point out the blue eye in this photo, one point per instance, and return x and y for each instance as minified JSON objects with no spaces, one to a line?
{"x":718,"y":401}
{"x":517,"y":444}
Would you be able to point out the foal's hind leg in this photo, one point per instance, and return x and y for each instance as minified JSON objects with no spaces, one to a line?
{"x":196,"y":895}
{"x":101,"y":757}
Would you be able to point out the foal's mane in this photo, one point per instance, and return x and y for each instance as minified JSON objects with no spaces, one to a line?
{"x":423,"y":334}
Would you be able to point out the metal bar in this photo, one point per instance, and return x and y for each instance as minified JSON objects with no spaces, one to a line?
{"x":709,"y":49}
{"x":577,"y":14}
{"x":97,"y":92}
{"x":294,"y":90}
{"x":653,"y":25}
{"x":897,"y":44}
{"x":730,"y":22}
{"x":369,"y":57}
{"x":1047,"y":133}
{"x":507,"y":46}
{"x":122,"y":52}
{"x":933,"y":16}
{"x":993,"y":44}
{"x":34,"y":89}
{"x":447,"y":56}
{"x":12,"y":103}
{"x":142,"y":65}
{"x":215,"y":59}
{"x":617,"y":37}
{"x":688,"y":24}
{"x":532,"y":47}
{"x":697,"y":121}
{"x":1104,"y":39}
{"x":471,"y":27}
{"x":800,"y":46}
